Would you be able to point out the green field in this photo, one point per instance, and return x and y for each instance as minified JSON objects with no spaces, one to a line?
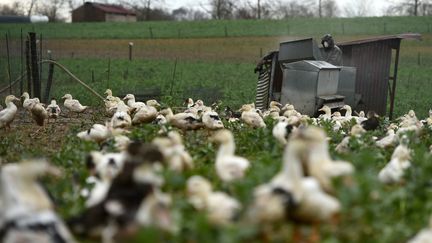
{"x":215,"y":28}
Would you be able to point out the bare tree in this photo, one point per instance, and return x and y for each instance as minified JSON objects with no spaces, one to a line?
{"x":329,"y":9}
{"x":14,"y":9}
{"x":410,"y":7}
{"x":51,"y":8}
{"x":284,"y":10}
{"x":320,"y":8}
{"x":358,"y":8}
{"x":221,"y":9}
{"x":145,"y":8}
{"x":31,"y":6}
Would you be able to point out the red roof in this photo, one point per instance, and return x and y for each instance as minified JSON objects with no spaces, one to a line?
{"x":111,"y":8}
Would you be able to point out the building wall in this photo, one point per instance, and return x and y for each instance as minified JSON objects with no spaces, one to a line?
{"x":88,"y":13}
{"x":110,"y":17}
{"x":373,"y":61}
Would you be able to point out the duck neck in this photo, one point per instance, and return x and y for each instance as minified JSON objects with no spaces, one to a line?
{"x":131,"y":101}
{"x":169,"y":115}
{"x":348,"y":112}
{"x":227,"y":148}
{"x":10,"y":104}
{"x":292,"y":168}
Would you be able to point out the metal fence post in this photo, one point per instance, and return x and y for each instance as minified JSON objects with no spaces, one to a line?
{"x":35,"y":66}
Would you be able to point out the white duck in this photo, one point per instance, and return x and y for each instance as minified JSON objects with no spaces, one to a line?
{"x":121,"y":119}
{"x":348,"y":114}
{"x":28,"y":103}
{"x":429,"y":119}
{"x":184,"y":120}
{"x":393,"y":172}
{"x":229,"y":167}
{"x":327,"y":113}
{"x":389,"y":140}
{"x":147,"y":113}
{"x":73,"y":104}
{"x":130,"y":101}
{"x":317,"y":158}
{"x":27,"y":207}
{"x":53,"y":110}
{"x":356,"y":132}
{"x":7,"y":115}
{"x":178,"y":159}
{"x":221,"y":209}
{"x":282,"y":130}
{"x":211,"y":119}
{"x":424,"y":236}
{"x":292,"y":196}
{"x":97,"y":133}
{"x":251,"y":117}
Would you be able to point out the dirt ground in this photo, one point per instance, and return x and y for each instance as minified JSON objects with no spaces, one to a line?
{"x":26,"y":134}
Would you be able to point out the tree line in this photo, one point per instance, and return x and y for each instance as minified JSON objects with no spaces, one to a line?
{"x":147,"y":10}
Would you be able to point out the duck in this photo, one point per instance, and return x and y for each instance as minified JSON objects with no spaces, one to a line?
{"x":121,"y":119}
{"x":130,"y":101}
{"x":231,"y":115}
{"x":184,"y":121}
{"x":290,"y":195}
{"x":175,"y":154}
{"x":221,"y":209}
{"x":356,"y":132}
{"x":146,"y":113}
{"x":316,"y":159}
{"x":282,"y":130}
{"x":53,"y":110}
{"x":28,"y":103}
{"x":109,"y":94}
{"x":229,"y":167}
{"x":189,"y":103}
{"x":400,"y":160}
{"x":428,"y":120}
{"x":73,"y":104}
{"x":327,"y":113}
{"x":424,"y":236}
{"x":211,"y":119}
{"x":7,"y":115}
{"x":111,"y":104}
{"x":286,"y":110}
{"x":348,"y":114}
{"x":39,"y":113}
{"x":104,"y":167}
{"x":251,"y":117}
{"x":97,"y":133}
{"x":389,"y":140}
{"x":132,"y":199}
{"x":26,"y":206}
{"x":372,"y":121}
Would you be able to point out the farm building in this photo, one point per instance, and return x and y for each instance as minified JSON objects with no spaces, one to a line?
{"x":100,"y":12}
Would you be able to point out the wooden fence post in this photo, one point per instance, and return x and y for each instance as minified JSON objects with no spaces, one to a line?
{"x":35,"y":66}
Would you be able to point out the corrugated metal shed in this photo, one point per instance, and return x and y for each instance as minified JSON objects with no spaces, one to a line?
{"x":373,"y":60}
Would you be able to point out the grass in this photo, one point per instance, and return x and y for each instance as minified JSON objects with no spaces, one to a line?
{"x":226,"y":28}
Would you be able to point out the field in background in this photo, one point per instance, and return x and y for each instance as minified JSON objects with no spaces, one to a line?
{"x":227,"y":28}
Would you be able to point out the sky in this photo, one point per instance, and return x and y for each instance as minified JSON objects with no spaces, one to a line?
{"x":377,"y":7}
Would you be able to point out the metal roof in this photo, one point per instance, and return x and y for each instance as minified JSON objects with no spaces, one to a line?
{"x":111,"y":8}
{"x":413,"y":36}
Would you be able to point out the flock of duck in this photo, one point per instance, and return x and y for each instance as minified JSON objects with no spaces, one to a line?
{"x":127,"y":184}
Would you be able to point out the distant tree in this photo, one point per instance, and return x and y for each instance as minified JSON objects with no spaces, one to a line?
{"x":31,"y":6}
{"x":146,"y":10}
{"x":221,"y":9}
{"x":292,"y":9}
{"x":329,"y":9}
{"x":411,"y":8}
{"x":51,"y":8}
{"x":14,"y":9}
{"x":358,"y":8}
{"x":184,"y":13}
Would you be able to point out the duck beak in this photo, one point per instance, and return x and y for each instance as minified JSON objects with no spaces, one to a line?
{"x":17,"y":99}
{"x":125,"y":98}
